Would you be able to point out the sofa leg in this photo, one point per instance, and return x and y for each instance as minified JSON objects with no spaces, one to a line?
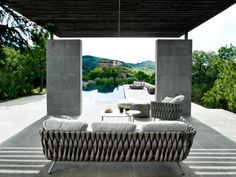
{"x":181,"y":169}
{"x":51,"y":167}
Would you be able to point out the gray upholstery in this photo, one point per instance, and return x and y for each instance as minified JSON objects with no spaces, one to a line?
{"x":115,"y":127}
{"x":64,"y":124}
{"x":116,"y":146}
{"x":166,"y":111}
{"x":165,"y":126}
{"x":177,"y":99}
{"x":167,"y":99}
{"x":144,"y":108}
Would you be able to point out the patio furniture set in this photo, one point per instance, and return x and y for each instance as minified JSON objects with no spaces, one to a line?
{"x":159,"y":141}
{"x":141,"y":85}
{"x":168,"y":109}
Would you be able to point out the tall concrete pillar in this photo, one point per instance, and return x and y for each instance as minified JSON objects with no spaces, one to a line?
{"x":174,"y":70}
{"x":64,"y":77}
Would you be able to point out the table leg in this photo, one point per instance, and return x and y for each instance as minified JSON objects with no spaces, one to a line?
{"x":102,"y":118}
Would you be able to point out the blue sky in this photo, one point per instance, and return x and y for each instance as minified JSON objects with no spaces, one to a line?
{"x":210,"y":36}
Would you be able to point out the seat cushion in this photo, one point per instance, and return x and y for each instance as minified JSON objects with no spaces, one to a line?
{"x":177,"y":99}
{"x":64,"y":124}
{"x":165,"y":126}
{"x":113,"y":127}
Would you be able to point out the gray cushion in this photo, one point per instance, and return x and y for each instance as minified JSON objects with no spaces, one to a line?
{"x":167,"y":99}
{"x":60,"y":117}
{"x":144,"y":108}
{"x":113,"y":127}
{"x":165,"y":126}
{"x":64,"y":124}
{"x":177,"y":99}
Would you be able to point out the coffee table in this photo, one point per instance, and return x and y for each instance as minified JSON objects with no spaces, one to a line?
{"x":131,"y":113}
{"x":116,"y":113}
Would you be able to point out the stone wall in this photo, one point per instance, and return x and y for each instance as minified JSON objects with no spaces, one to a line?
{"x":64,"y":77}
{"x":174,"y":70}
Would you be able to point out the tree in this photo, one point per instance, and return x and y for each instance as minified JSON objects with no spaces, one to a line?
{"x":204,"y":73}
{"x":38,"y":54}
{"x":223,"y":93}
{"x":16,"y":74}
{"x":141,"y":76}
{"x":15,"y":28}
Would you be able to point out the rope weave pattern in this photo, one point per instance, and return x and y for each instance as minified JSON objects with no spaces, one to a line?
{"x":165,"y":111}
{"x":116,"y":146}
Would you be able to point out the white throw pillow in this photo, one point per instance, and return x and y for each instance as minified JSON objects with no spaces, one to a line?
{"x":167,"y":99}
{"x":113,"y":127}
{"x":177,"y":99}
{"x":165,"y":126}
{"x":64,"y":124}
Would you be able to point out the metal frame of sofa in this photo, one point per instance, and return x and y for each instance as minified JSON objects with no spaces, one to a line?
{"x":116,"y":146}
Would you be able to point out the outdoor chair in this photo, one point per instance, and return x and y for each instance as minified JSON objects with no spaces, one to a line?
{"x":168,"y":109}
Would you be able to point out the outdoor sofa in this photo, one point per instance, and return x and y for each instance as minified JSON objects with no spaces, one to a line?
{"x":137,"y":85}
{"x":162,"y":141}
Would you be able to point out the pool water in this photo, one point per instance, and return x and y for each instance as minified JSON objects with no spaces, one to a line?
{"x":110,"y":97}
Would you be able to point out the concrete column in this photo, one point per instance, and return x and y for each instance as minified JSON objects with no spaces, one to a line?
{"x":174,"y":70}
{"x":64,"y":77}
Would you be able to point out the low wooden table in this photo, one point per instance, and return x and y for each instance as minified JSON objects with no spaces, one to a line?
{"x":116,"y":113}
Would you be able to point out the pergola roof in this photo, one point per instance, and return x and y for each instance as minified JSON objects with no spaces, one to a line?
{"x":138,"y":18}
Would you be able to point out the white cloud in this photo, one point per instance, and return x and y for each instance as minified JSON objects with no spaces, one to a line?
{"x":125,"y":49}
{"x":216,"y":32}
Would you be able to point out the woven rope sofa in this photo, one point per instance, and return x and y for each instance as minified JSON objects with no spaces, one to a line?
{"x":112,"y":146}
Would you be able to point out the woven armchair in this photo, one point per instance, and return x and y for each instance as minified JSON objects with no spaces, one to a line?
{"x":166,"y":111}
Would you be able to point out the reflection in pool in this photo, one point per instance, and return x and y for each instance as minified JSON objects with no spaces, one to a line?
{"x":108,"y":97}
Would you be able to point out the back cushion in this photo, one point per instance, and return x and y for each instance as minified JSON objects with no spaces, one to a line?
{"x":167,"y":99}
{"x":177,"y":99}
{"x":64,"y":124}
{"x":165,"y":126}
{"x":113,"y":127}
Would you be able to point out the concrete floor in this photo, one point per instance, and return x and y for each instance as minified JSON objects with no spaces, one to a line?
{"x":212,"y":154}
{"x":17,"y":114}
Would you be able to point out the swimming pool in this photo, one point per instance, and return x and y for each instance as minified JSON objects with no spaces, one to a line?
{"x":97,"y":97}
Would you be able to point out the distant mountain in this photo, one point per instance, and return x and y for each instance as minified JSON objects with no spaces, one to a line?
{"x":145,"y":65}
{"x":91,"y":62}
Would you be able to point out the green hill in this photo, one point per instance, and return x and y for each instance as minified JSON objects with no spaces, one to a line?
{"x":91,"y":62}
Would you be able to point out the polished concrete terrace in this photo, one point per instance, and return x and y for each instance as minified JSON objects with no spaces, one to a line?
{"x":213,"y":152}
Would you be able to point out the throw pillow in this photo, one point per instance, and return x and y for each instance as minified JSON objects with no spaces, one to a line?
{"x":165,"y":126}
{"x":64,"y":124}
{"x":177,"y":99}
{"x":113,"y":127}
{"x":167,"y":99}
